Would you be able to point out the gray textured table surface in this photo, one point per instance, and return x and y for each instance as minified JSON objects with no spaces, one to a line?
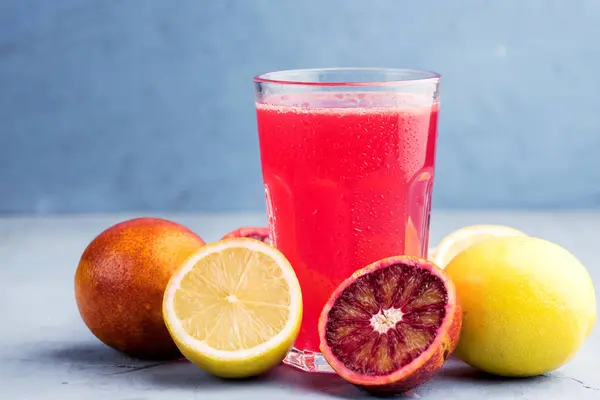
{"x":47,"y":353}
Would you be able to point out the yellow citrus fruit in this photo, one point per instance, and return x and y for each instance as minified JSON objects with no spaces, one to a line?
{"x":234,"y":308}
{"x":528,"y":305}
{"x":462,"y":238}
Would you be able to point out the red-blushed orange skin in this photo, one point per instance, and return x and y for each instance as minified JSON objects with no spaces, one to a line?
{"x":121,"y":279}
{"x":249,"y":231}
{"x":422,"y":368}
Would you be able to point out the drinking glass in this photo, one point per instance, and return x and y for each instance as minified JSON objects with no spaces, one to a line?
{"x":348,"y":162}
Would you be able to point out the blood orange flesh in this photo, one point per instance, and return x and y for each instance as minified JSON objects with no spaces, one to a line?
{"x":258,"y":233}
{"x":391,"y":325}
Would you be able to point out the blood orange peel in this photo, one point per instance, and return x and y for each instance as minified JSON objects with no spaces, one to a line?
{"x":390,"y":326}
{"x":252,"y":232}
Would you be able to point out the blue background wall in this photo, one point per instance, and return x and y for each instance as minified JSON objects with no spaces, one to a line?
{"x":147,"y":105}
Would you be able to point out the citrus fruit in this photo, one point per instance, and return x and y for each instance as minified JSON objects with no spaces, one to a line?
{"x":528,"y":305}
{"x":234,"y":308}
{"x":460,"y":239}
{"x":391,"y":325}
{"x":252,"y":232}
{"x":120,"y":281}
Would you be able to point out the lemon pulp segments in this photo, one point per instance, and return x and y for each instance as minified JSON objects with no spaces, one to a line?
{"x":233,"y":300}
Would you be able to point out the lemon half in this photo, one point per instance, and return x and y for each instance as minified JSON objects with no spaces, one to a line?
{"x":234,"y":308}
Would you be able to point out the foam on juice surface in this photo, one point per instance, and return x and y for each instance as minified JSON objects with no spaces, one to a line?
{"x":348,"y":103}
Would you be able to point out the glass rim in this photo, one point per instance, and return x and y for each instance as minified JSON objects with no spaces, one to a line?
{"x":413,"y":75}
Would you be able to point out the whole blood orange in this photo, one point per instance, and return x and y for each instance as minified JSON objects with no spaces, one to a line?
{"x":121,"y":279}
{"x":252,"y":232}
{"x":391,"y":325}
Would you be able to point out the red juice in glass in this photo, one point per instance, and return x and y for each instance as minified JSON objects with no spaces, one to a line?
{"x":348,"y":176}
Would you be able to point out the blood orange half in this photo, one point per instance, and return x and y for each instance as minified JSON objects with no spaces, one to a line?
{"x":391,"y":325}
{"x":257,"y":233}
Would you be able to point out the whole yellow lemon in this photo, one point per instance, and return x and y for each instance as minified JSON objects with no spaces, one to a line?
{"x":528,"y":305}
